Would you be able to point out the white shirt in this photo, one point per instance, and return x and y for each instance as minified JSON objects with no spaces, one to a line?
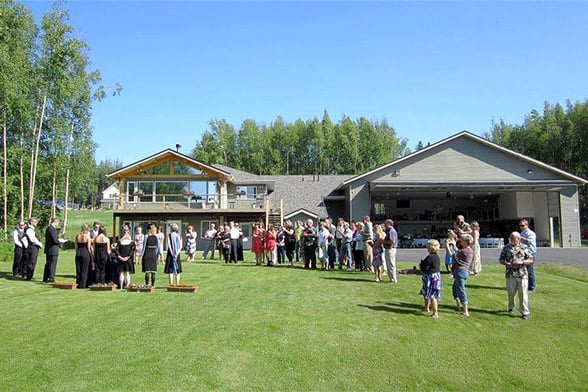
{"x":21,"y":243}
{"x":323,"y":236}
{"x":210,"y":234}
{"x":32,"y":237}
{"x":235,"y":233}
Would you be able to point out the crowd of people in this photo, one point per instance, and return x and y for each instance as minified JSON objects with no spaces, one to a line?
{"x":462,"y":260}
{"x":362,"y":246}
{"x":97,"y":260}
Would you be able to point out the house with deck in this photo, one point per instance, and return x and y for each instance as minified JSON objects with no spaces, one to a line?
{"x":422,"y":192}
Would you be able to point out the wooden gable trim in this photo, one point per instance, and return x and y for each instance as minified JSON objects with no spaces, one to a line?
{"x":136,"y":169}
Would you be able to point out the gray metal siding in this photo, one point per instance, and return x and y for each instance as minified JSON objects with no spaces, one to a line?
{"x":360,"y":202}
{"x":462,"y":160}
{"x":570,"y":222}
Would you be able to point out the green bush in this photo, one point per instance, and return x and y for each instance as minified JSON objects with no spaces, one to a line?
{"x":6,"y":251}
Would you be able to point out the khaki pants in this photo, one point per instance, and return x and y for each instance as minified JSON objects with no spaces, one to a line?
{"x":368,"y":255}
{"x":520,"y":286}
{"x":390,"y":263}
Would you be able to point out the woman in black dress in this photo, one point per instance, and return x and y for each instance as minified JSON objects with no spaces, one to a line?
{"x":125,"y":250}
{"x":101,"y":254}
{"x":225,"y":240}
{"x":150,"y":251}
{"x":83,"y":247}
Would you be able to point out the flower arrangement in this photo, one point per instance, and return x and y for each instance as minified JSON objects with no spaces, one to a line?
{"x":140,"y":288}
{"x":181,"y":285}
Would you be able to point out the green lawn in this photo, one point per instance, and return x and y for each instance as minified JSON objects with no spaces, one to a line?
{"x":77,"y":217}
{"x":279,"y":329}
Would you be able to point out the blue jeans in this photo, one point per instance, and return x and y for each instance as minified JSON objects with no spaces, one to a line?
{"x":345,"y":251}
{"x":531,"y":273}
{"x":459,"y":290}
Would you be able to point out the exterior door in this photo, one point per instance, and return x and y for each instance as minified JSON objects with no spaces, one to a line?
{"x":247,"y":228}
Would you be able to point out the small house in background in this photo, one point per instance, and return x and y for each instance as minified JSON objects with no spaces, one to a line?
{"x":110,"y":197}
{"x":422,"y":192}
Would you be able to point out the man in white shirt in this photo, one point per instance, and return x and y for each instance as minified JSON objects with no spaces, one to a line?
{"x":20,"y":248}
{"x":210,"y":237}
{"x":236,"y":233}
{"x":34,"y":244}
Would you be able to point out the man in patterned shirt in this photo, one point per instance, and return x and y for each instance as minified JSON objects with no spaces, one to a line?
{"x":516,"y":257}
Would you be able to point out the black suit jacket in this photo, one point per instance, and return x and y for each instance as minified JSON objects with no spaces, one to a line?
{"x":51,"y":241}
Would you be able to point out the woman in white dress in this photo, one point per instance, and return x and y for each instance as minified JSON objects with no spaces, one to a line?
{"x":477,"y":263}
{"x":190,"y":248}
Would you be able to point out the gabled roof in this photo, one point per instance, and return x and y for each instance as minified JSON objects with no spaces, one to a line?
{"x":138,"y":167}
{"x":469,"y":135}
{"x":301,"y":211}
{"x":114,"y":185}
{"x":307,"y":192}
{"x":241,"y":177}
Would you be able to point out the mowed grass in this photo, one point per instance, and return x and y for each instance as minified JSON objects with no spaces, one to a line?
{"x":255,"y":328}
{"x":76,"y":218}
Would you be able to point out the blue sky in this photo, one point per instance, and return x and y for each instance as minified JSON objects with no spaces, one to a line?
{"x":430,"y":68}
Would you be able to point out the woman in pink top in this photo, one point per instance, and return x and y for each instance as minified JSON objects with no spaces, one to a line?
{"x":270,"y":245}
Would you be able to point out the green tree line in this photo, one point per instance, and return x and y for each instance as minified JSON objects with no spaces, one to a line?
{"x":301,"y":147}
{"x":47,"y":88}
{"x":558,"y":136}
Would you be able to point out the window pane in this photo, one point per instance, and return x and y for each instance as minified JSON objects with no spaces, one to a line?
{"x":246,"y":192}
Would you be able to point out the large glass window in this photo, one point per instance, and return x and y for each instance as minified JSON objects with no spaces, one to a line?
{"x":246,"y":193}
{"x":160,"y":191}
{"x":180,"y":168}
{"x":379,"y":208}
{"x":170,"y":190}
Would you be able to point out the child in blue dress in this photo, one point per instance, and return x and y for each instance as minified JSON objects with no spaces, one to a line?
{"x":431,"y":275}
{"x":450,"y":249}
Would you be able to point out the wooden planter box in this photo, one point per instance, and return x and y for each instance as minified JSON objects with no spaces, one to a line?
{"x":183,"y":289}
{"x":65,"y":286}
{"x":102,"y":288}
{"x":141,"y":289}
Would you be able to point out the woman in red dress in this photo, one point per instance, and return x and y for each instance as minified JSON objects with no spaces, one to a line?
{"x":257,"y":243}
{"x":270,"y":245}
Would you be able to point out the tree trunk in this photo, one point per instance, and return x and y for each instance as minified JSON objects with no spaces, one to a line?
{"x":67,"y":173}
{"x":54,"y":191}
{"x":21,"y":175}
{"x":35,"y":157}
{"x":4,"y":191}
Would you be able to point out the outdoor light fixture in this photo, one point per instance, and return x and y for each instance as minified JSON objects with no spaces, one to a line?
{"x":529,"y":171}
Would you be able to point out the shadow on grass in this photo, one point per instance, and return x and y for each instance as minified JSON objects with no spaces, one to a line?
{"x":499,"y":312}
{"x":477,"y":286}
{"x":417,"y":309}
{"x":8,"y":276}
{"x":65,"y":276}
{"x":347,"y":279}
{"x":396,"y":307}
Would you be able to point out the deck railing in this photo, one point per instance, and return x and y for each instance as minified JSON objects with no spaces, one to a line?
{"x":191,"y":201}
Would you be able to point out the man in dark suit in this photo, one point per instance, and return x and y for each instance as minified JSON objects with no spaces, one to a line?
{"x":51,"y":250}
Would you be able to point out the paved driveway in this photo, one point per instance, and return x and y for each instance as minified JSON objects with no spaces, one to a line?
{"x":577,"y":256}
